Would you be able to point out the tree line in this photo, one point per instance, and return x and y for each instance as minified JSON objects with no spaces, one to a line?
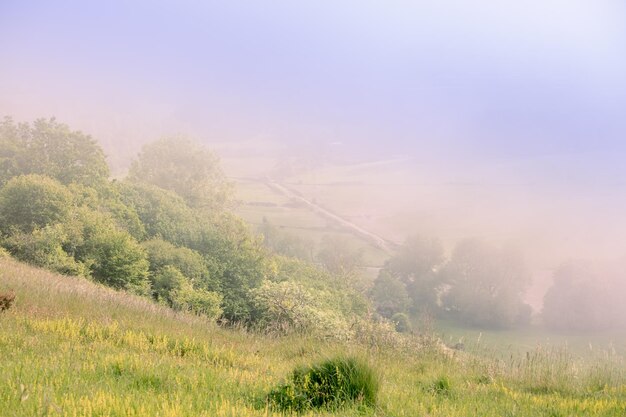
{"x":167,"y":231}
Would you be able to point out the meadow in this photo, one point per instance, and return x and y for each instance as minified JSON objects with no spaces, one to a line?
{"x":70,"y":347}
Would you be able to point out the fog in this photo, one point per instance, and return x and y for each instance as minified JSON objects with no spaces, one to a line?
{"x":445,"y":119}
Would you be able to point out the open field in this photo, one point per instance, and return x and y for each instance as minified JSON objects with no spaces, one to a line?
{"x":73,"y":348}
{"x":258,"y":201}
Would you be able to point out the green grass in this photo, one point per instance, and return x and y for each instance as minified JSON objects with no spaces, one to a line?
{"x":258,"y":201}
{"x":69,"y":347}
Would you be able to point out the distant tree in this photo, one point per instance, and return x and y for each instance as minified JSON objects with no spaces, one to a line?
{"x":340,"y":256}
{"x":486,"y":285}
{"x":415,"y":265}
{"x":33,"y":201}
{"x":50,"y":148}
{"x":389,"y":295}
{"x":577,"y":299}
{"x":186,"y":168}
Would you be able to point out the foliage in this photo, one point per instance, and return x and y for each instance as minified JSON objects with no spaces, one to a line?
{"x":187,"y":261}
{"x":31,"y":201}
{"x":486,"y":285}
{"x":414,"y":265}
{"x":198,"y":301}
{"x":389,"y":295}
{"x":402,"y":322}
{"x":44,"y":248}
{"x":106,"y":198}
{"x":162,"y":213}
{"x":239,"y":263}
{"x":339,"y":256}
{"x":50,"y":148}
{"x":577,"y":300}
{"x":330,"y":384}
{"x":186,"y":168}
{"x":112,"y":255}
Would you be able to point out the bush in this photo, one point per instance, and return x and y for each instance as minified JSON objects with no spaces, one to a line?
{"x":198,"y":301}
{"x":6,"y":300}
{"x":44,"y":248}
{"x":330,"y":384}
{"x":402,"y":322}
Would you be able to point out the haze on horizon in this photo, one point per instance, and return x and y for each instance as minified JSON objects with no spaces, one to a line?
{"x":522,"y":103}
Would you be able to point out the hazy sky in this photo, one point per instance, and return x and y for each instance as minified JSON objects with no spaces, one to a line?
{"x":477,"y":79}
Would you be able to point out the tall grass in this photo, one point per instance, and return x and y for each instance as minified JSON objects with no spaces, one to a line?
{"x":69,"y":347}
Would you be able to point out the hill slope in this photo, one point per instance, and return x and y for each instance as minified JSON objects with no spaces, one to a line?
{"x":72,"y":348}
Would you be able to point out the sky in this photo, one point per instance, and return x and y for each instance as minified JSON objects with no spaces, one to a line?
{"x":473,"y":79}
{"x":487,"y":92}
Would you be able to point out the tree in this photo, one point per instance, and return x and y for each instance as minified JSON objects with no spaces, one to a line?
{"x":33,"y":201}
{"x":415,"y":265}
{"x":50,"y":148}
{"x":389,"y":295}
{"x":486,"y":285}
{"x":190,"y":263}
{"x":340,"y":256}
{"x":577,"y":299}
{"x":163,"y":214}
{"x":186,"y":168}
{"x":238,"y":261}
{"x":112,"y":255}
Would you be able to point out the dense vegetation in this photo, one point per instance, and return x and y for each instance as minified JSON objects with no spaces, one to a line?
{"x":164,"y":232}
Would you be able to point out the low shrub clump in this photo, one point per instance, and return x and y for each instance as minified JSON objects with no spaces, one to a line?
{"x":331,"y":384}
{"x":6,"y":300}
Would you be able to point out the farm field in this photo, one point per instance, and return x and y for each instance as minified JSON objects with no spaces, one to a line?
{"x":70,"y":347}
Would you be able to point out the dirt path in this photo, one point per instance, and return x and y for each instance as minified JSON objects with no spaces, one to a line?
{"x":378,"y":241}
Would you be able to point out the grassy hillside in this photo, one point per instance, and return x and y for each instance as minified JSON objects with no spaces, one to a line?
{"x":72,"y":348}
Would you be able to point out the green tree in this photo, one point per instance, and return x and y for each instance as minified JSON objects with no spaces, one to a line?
{"x":190,"y":263}
{"x":415,"y":264}
{"x":486,"y":285}
{"x":162,"y":213}
{"x":238,"y":261}
{"x":340,"y":256}
{"x":186,"y":168}
{"x":33,"y":201}
{"x":113,"y":256}
{"x":389,"y":295}
{"x":50,"y":148}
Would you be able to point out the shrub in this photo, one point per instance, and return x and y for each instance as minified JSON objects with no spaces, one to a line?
{"x":402,"y":322}
{"x":330,"y":384}
{"x":44,"y":248}
{"x":6,"y":300}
